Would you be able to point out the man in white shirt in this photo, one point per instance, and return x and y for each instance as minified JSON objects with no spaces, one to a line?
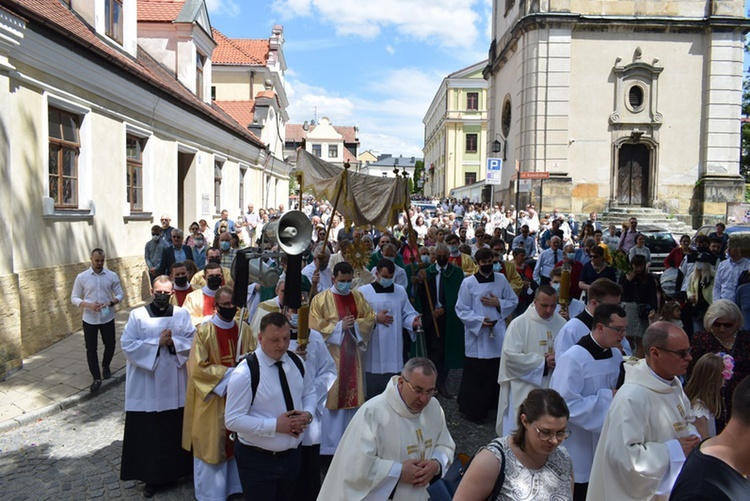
{"x":251,"y":221}
{"x":318,"y":272}
{"x":547,"y":260}
{"x":271,"y":414}
{"x":97,"y":290}
{"x":156,"y":343}
{"x":586,"y":377}
{"x":728,"y":271}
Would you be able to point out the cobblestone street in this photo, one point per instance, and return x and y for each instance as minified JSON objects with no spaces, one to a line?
{"x":74,"y":454}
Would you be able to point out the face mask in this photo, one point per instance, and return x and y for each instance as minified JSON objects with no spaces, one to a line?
{"x":180,"y":281}
{"x":155,"y":238}
{"x":343,"y":287}
{"x":199,"y":242}
{"x":386,"y":282}
{"x":161,"y":300}
{"x":216,"y":260}
{"x":556,"y":286}
{"x":294,"y":319}
{"x":392,"y":259}
{"x":571,"y":256}
{"x":442,"y":262}
{"x":486,"y":269}
{"x":426,"y":259}
{"x":213,"y":282}
{"x":453,"y":249}
{"x":496,"y":267}
{"x":224,"y":245}
{"x":227,"y":313}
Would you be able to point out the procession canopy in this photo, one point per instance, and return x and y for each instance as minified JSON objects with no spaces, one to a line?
{"x":364,"y":200}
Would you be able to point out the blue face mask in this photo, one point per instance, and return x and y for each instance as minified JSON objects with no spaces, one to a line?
{"x":224,"y":245}
{"x":343,"y":287}
{"x":453,"y":249}
{"x":294,"y":319}
{"x":426,"y":259}
{"x":386,"y":282}
{"x":572,"y":256}
{"x":496,"y":267}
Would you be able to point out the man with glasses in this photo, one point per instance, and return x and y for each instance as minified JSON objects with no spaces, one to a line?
{"x":166,"y":229}
{"x":397,"y":443}
{"x":649,"y":429}
{"x":627,"y":238}
{"x":175,"y":253}
{"x":586,"y":377}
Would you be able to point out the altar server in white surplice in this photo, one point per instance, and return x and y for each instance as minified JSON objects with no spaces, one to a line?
{"x":485,"y":299}
{"x":649,"y":428}
{"x":601,"y":291}
{"x":156,"y":343}
{"x":528,"y":357}
{"x":384,"y":357}
{"x":586,"y":377}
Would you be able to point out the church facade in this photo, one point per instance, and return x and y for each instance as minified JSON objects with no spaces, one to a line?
{"x":623,"y":103}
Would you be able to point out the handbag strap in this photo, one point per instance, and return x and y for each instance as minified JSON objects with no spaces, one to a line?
{"x":500,"y":477}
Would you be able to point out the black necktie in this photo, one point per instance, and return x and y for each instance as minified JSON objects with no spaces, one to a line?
{"x":555,"y":256}
{"x":285,"y":387}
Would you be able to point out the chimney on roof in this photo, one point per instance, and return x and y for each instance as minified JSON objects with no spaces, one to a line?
{"x":412,"y":160}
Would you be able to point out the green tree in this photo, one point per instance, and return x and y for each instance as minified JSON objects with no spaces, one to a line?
{"x":418,"y":170}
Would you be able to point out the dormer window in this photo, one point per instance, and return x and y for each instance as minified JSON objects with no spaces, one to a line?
{"x":200,"y":62}
{"x":113,"y":16}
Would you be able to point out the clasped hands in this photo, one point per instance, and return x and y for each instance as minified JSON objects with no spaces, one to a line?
{"x":418,"y":472}
{"x":293,"y":422}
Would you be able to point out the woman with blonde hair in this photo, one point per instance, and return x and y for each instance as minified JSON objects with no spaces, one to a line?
{"x":704,"y":390}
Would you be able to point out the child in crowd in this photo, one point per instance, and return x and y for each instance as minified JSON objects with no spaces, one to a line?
{"x":704,"y":390}
{"x":671,"y":312}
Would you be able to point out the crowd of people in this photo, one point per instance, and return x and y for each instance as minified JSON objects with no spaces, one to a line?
{"x":560,"y":330}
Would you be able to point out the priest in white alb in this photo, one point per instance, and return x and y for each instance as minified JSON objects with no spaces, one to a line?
{"x":649,"y":428}
{"x":384,"y":357}
{"x":485,"y":299}
{"x":586,"y":377}
{"x":156,"y":343}
{"x":528,"y":357}
{"x":397,"y":443}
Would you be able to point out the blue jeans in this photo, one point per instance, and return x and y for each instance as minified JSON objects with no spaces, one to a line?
{"x":265,"y":476}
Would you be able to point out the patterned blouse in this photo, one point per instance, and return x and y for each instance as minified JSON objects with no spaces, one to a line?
{"x":551,"y":482}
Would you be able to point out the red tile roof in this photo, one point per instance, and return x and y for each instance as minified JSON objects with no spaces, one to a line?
{"x":295,"y":132}
{"x":239,"y":51}
{"x":241,"y":111}
{"x":159,"y":11}
{"x":55,"y":16}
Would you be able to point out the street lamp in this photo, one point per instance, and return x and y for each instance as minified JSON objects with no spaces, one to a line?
{"x":498,"y":146}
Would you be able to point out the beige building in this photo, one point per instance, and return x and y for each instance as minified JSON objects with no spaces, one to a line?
{"x":336,"y":144}
{"x":624,"y":103}
{"x":106,"y":122}
{"x":455,"y":132}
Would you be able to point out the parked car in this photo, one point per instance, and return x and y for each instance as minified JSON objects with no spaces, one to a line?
{"x":660,"y":241}
{"x":426,"y":208}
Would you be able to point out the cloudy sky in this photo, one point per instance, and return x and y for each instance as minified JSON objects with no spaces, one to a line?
{"x":376,"y":64}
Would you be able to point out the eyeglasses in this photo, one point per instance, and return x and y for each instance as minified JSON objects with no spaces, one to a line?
{"x":549,"y":435}
{"x":621,"y":330}
{"x":419,"y":391}
{"x":726,"y":325}
{"x":683,"y":354}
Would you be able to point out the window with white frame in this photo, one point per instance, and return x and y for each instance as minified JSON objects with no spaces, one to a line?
{"x":200,"y":62}
{"x":317,"y":150}
{"x":113,"y":19}
{"x":333,"y":151}
{"x":64,"y":150}
{"x":134,"y":177}
{"x":217,"y":184}
{"x":472,"y":101}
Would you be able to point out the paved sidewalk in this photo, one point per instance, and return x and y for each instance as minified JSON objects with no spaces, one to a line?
{"x":56,"y":378}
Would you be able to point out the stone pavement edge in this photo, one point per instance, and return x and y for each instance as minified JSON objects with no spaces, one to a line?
{"x":57,"y":378}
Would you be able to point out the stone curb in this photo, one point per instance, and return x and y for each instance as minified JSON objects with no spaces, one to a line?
{"x":66,"y":403}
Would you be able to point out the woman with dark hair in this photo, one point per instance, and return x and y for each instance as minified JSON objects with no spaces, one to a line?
{"x":640,"y":300}
{"x":534,"y":465}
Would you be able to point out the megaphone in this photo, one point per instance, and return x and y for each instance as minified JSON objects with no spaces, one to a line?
{"x":292,"y":232}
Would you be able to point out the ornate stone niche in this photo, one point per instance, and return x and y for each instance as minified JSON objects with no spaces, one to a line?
{"x":636,"y":92}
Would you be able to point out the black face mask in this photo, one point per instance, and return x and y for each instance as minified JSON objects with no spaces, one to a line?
{"x":161,"y":300}
{"x":213,"y":282}
{"x":485,"y":269}
{"x":216,"y":260}
{"x":702,"y":248}
{"x":180,"y":281}
{"x":227,"y":313}
{"x":442,"y":261}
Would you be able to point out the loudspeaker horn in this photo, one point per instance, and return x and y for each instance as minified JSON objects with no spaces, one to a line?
{"x":292,"y":232}
{"x":260,"y":273}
